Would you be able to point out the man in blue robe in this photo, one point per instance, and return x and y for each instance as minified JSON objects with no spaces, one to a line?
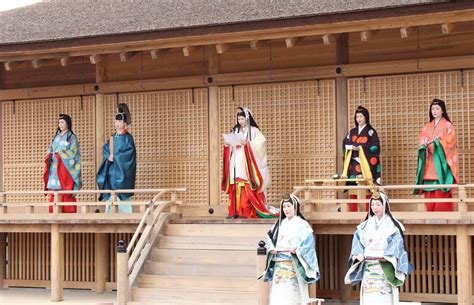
{"x":119,"y":166}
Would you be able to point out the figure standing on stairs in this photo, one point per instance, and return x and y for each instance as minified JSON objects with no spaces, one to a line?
{"x":292,"y":263}
{"x":119,"y":166}
{"x":246,"y":178}
{"x":62,"y":170}
{"x":437,"y":157}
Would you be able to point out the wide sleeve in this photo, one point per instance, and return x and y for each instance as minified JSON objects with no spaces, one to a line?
{"x":306,"y":254}
{"x":356,"y":267}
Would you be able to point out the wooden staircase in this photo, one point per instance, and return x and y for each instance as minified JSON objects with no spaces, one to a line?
{"x":206,"y":264}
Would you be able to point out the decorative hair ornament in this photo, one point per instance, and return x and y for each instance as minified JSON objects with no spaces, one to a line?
{"x":123,"y":113}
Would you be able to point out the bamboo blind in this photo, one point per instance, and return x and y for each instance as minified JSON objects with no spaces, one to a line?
{"x":399,"y":106}
{"x":298,"y":121}
{"x":27,"y":130}
{"x":170,"y":130}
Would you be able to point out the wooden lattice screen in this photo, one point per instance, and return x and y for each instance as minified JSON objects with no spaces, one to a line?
{"x":29,"y":256}
{"x":170,"y":130}
{"x":399,"y":106}
{"x":298,"y":121}
{"x":27,"y":130}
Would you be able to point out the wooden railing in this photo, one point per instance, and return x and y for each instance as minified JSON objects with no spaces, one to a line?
{"x":312,"y":196}
{"x":130,"y":259}
{"x":83,"y":207}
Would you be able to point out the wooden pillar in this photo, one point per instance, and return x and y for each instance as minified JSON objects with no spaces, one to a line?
{"x":122,"y":274}
{"x":101,"y":261}
{"x":213,"y":62}
{"x":263,"y":288}
{"x":214,"y":147}
{"x":3,"y":257}
{"x":342,"y":51}
{"x":343,"y":254}
{"x":100,"y":77}
{"x":57,"y":263}
{"x":464,"y":265}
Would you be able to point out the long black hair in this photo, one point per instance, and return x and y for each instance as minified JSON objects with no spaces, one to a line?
{"x":387,"y":211}
{"x":250,"y":120}
{"x":295,"y":202}
{"x":364,"y":112}
{"x":68,"y":121}
{"x":441,"y":104}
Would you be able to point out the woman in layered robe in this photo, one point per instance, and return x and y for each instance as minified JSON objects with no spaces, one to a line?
{"x":437,"y":157}
{"x":378,"y":257}
{"x":247,"y":190}
{"x":118,"y":169}
{"x":292,"y":263}
{"x":62,"y":170}
{"x":361,"y":149}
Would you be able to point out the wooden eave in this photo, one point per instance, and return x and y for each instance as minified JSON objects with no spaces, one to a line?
{"x":321,"y":25}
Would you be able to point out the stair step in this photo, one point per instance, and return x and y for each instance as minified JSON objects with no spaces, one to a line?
{"x":225,"y":270}
{"x":224,"y":230}
{"x":208,"y":242}
{"x":171,"y":296}
{"x":190,"y":282}
{"x":203,"y":256}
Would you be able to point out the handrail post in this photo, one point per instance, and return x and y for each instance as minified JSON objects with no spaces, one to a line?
{"x":123,"y":285}
{"x":3,"y":200}
{"x":462,"y":205}
{"x":262,"y":287}
{"x":55,"y":203}
{"x":174,"y":209}
{"x":113,"y":203}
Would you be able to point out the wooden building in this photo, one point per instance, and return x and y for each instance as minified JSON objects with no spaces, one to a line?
{"x":184,"y":67}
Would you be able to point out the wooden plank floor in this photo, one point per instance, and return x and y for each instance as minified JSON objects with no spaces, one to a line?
{"x":24,"y":296}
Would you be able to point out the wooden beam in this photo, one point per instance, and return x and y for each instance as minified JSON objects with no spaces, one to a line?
{"x":95,"y":58}
{"x":406,"y":31}
{"x":36,"y":63}
{"x":3,"y":257}
{"x":328,"y":39}
{"x":188,"y":50}
{"x":262,"y":76}
{"x":292,"y":41}
{"x":255,"y":44}
{"x":447,"y":28}
{"x":367,"y":35}
{"x":154,"y":53}
{"x":222,"y":47}
{"x":10,"y":65}
{"x":124,"y":56}
{"x":64,"y":61}
{"x":214,"y":148}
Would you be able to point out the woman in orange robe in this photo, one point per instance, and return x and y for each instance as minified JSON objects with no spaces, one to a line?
{"x":437,"y":157}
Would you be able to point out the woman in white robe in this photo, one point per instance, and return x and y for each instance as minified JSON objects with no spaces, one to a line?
{"x":378,"y":258}
{"x":292,"y":263}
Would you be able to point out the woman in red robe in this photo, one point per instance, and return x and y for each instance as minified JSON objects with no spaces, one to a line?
{"x":437,"y":157}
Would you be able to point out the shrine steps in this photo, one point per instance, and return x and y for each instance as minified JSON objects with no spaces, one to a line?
{"x":202,"y":263}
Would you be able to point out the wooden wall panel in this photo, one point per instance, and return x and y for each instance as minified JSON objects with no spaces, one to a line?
{"x":78,"y":71}
{"x":399,"y":106}
{"x":29,"y":126}
{"x":170,"y":63}
{"x":170,"y":130}
{"x":298,"y":121}
{"x":275,"y":55}
{"x":422,"y":42}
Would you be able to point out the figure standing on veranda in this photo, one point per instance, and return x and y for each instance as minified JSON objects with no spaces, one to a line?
{"x":118,"y":169}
